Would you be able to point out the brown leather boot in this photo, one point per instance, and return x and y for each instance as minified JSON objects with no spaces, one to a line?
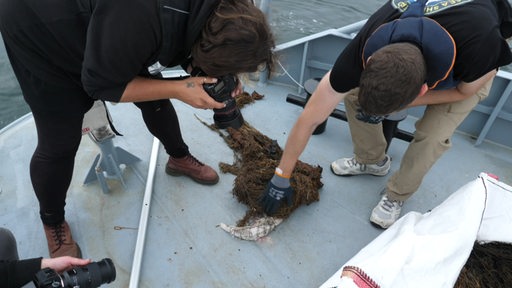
{"x":193,"y":168}
{"x":60,"y":241}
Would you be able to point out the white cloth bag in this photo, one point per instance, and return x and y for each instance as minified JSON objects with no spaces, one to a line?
{"x":429,"y":250}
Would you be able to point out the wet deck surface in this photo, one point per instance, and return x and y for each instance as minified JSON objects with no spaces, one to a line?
{"x":184,"y":246}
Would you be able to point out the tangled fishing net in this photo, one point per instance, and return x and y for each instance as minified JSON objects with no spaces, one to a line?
{"x":256,"y":157}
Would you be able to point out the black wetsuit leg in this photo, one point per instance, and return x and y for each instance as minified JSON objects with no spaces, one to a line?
{"x":51,"y":166}
{"x":162,"y":121}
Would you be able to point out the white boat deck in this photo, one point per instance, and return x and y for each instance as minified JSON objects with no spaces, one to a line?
{"x":184,"y":247}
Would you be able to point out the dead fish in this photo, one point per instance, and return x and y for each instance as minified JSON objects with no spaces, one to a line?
{"x":257,"y":229}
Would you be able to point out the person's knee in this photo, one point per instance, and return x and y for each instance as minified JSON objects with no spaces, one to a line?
{"x":56,"y":152}
{"x":59,"y":136}
{"x":8,"y":248}
{"x":441,"y":142}
{"x":6,"y":235}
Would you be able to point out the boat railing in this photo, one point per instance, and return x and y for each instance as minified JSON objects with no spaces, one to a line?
{"x":312,"y":56}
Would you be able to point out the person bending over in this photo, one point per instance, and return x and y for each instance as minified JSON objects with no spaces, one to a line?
{"x":444,"y":57}
{"x":67,"y":54}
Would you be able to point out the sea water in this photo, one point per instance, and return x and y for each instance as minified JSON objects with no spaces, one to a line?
{"x":289,"y":19}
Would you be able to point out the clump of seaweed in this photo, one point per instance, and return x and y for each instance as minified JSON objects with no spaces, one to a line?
{"x":256,"y":157}
{"x":489,"y":265}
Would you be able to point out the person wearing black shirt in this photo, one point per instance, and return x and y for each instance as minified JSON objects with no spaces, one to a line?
{"x":439,"y":54}
{"x":16,"y":273}
{"x":67,"y":54}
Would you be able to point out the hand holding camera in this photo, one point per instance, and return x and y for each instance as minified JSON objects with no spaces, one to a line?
{"x":91,"y":275}
{"x":61,"y":264}
{"x":221,"y":91}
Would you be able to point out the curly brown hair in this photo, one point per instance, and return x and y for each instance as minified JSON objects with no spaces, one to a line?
{"x":392,"y":79}
{"x":235,"y":39}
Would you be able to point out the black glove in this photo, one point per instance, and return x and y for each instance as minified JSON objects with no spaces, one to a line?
{"x":278,"y":190}
{"x":372,"y":119}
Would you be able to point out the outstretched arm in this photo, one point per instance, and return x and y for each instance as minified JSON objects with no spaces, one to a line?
{"x":321,"y":104}
{"x":189,"y":90}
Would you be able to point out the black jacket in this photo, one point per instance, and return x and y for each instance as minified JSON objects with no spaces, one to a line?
{"x":99,"y":45}
{"x":14,"y":274}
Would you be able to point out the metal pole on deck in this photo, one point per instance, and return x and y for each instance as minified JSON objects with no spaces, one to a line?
{"x":265,"y":8}
{"x":141,"y":236}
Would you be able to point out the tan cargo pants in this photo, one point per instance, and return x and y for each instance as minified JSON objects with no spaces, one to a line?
{"x":431,"y":139}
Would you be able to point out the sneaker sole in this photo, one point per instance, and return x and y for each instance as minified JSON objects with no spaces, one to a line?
{"x":347,"y":175}
{"x":379,"y":224}
{"x":172,"y":172}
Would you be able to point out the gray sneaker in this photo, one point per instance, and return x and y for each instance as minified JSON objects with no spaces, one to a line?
{"x":350,"y":166}
{"x":386,"y":212}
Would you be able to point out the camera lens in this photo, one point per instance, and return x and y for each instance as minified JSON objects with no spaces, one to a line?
{"x":90,"y":276}
{"x":228,"y":116}
{"x":106,"y":270}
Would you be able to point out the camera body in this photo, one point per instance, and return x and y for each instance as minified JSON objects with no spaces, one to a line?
{"x":220,"y":91}
{"x":90,"y":276}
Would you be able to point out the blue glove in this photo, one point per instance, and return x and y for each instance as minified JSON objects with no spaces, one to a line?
{"x":278,"y":190}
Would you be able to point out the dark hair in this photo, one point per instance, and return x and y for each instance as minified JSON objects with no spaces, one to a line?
{"x":235,"y":39}
{"x":392,"y":79}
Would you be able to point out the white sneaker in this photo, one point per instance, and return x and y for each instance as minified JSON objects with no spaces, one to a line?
{"x":386,"y":212}
{"x":350,"y":166}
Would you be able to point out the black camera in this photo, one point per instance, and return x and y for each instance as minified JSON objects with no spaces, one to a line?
{"x":230,"y":115}
{"x":90,"y":276}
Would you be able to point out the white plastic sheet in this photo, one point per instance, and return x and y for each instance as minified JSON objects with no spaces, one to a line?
{"x":429,"y":250}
